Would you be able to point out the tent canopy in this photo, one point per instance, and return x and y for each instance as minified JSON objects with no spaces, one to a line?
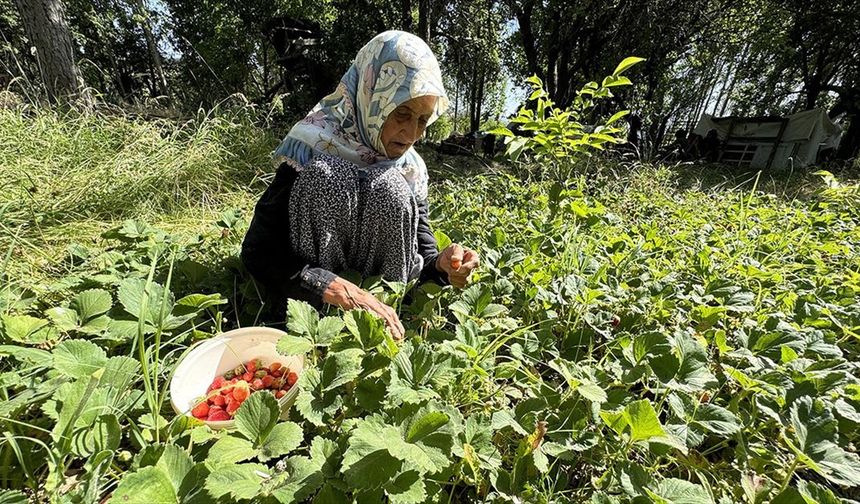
{"x":772,"y":142}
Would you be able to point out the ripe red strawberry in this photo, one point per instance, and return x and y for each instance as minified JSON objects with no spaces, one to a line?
{"x":218,"y":400}
{"x":268,"y":380}
{"x":292,"y":378}
{"x":251,"y":366}
{"x":248,"y":377}
{"x":279,"y":394}
{"x":257,"y":384}
{"x":200,"y":411}
{"x":218,"y":415}
{"x":218,"y":382}
{"x":233,"y":406}
{"x":240,"y":393}
{"x":277,"y":373}
{"x":274,"y":366}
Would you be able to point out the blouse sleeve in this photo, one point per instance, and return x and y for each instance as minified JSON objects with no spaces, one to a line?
{"x":428,"y":248}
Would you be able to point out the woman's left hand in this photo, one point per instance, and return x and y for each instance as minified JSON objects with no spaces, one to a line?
{"x":458,"y":262}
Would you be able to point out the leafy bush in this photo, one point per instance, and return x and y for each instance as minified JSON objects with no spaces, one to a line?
{"x":560,"y":136}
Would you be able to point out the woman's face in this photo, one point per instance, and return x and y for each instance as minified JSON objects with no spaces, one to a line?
{"x":405,"y":125}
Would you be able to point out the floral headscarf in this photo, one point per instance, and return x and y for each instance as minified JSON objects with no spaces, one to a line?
{"x":392,"y":68}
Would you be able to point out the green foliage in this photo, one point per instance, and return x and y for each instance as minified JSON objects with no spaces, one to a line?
{"x":598,"y":357}
{"x":559,"y":136}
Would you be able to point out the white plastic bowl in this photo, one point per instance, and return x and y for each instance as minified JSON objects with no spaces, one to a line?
{"x":218,"y":355}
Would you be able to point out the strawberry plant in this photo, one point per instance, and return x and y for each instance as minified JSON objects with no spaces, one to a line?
{"x":639,"y":340}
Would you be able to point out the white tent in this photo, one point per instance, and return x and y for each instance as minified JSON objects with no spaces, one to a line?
{"x":773,"y":142}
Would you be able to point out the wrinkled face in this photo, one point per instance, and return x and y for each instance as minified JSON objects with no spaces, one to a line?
{"x":405,"y":125}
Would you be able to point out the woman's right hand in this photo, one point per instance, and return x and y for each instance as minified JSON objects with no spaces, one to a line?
{"x":347,"y":295}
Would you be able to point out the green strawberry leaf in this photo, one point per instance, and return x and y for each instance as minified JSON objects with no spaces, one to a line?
{"x":26,"y":329}
{"x":239,"y":481}
{"x":229,"y":450}
{"x":294,"y":345}
{"x":815,"y":431}
{"x":104,"y":434}
{"x":257,"y":416}
{"x":676,"y":491}
{"x":341,"y":367}
{"x":133,"y":291}
{"x":302,"y":319}
{"x":304,"y":478}
{"x":406,"y":488}
{"x":284,"y":438}
{"x":314,"y":404}
{"x":717,"y":420}
{"x":89,"y":304}
{"x":145,"y":486}
{"x":78,"y":358}
{"x":328,"y":328}
{"x":367,"y":462}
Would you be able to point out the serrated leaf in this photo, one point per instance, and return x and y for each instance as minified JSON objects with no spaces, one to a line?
{"x":365,"y":327}
{"x":64,"y":318}
{"x":26,"y":329}
{"x":257,"y":416}
{"x":294,"y":345}
{"x":426,"y":425}
{"x":367,"y":463}
{"x":201,"y":301}
{"x":229,"y":450}
{"x":406,"y":488}
{"x":328,"y":328}
{"x":133,"y":291}
{"x":145,"y":486}
{"x":313,"y":404}
{"x":302,"y":319}
{"x":326,"y":454}
{"x":32,"y":356}
{"x":304,"y":478}
{"x":104,"y":434}
{"x":813,"y":493}
{"x":815,"y":430}
{"x":677,"y":491}
{"x":120,"y":372}
{"x":177,"y":464}
{"x":284,"y":438}
{"x":412,"y":371}
{"x":717,"y":420}
{"x":341,"y":367}
{"x":91,"y":303}
{"x":78,"y":358}
{"x":240,"y":481}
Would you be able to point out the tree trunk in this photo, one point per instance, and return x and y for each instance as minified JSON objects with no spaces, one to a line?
{"x":47,"y":29}
{"x":523,"y":14}
{"x":157,"y":71}
{"x":406,"y":15}
{"x":425,"y":14}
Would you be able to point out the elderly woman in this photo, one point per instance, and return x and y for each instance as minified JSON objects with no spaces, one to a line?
{"x":350,"y":192}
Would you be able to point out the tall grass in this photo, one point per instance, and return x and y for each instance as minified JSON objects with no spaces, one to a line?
{"x":62,"y":167}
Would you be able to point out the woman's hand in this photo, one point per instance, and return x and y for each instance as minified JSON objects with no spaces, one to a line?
{"x":458,"y":262}
{"x":348,"y":296}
